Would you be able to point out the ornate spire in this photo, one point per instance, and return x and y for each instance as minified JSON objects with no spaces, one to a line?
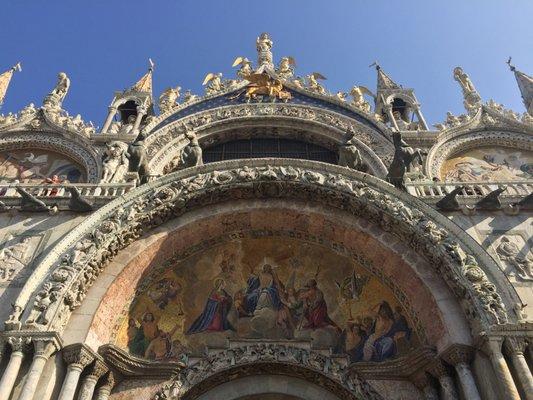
{"x":144,"y":84}
{"x":525,"y":84}
{"x":384,"y":81}
{"x":5,"y":79}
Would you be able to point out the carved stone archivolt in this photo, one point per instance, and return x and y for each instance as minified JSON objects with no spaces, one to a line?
{"x":62,"y":278}
{"x":78,"y":150}
{"x":455,"y":143}
{"x":164,"y":144}
{"x":328,"y":372}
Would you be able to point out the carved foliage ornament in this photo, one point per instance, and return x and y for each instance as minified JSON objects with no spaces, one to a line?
{"x":77,"y":269}
{"x":157,"y":143}
{"x":196,"y":377}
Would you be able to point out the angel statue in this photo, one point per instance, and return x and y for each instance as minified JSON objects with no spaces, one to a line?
{"x":167,"y":99}
{"x":214,"y":83}
{"x":286,"y":67}
{"x":58,"y":93}
{"x":472,"y":100}
{"x":313,"y":85}
{"x":359,"y":101}
{"x":246,"y":67}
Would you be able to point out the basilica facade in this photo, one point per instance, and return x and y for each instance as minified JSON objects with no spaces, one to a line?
{"x":267,"y":240}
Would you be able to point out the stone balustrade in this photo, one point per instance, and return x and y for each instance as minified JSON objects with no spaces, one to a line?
{"x":58,"y":194}
{"x":472,"y":192}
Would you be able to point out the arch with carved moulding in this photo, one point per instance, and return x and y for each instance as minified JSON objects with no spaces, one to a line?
{"x":72,"y":266}
{"x":311,"y":124}
{"x":457,"y":142}
{"x":66,"y":144}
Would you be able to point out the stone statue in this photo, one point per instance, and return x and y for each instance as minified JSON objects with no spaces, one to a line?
{"x":188,"y":96}
{"x":138,"y":158}
{"x":245,"y":67}
{"x":116,"y":162}
{"x":313,"y":85}
{"x":127,"y":128}
{"x":55,"y":98}
{"x":341,"y":95}
{"x":264,"y":49}
{"x":167,"y":99}
{"x":191,"y":155}
{"x":358,"y":99}
{"x":472,"y":100}
{"x":509,"y":252}
{"x":214,"y":83}
{"x":285,"y":68}
{"x":77,"y":202}
{"x":349,"y":155}
{"x":404,"y":155}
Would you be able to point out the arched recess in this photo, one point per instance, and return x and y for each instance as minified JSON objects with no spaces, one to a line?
{"x":71,"y":267}
{"x":458,"y":142}
{"x":79,"y":151}
{"x":310,"y":124}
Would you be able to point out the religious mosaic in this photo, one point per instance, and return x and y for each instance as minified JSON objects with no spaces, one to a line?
{"x":37,"y":166}
{"x":265,"y":288}
{"x":489,"y":164}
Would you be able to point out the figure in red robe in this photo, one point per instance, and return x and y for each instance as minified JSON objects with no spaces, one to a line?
{"x":315,"y":307}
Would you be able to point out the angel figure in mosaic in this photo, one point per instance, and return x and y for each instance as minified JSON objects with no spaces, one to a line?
{"x":213,"y":82}
{"x":286,"y":67}
{"x":245,"y":67}
{"x":312,"y":82}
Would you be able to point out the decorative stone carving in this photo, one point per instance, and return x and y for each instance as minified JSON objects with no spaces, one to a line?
{"x":164,"y":144}
{"x":313,"y":85}
{"x":77,"y":354}
{"x":116,"y":162}
{"x":190,"y":155}
{"x":472,"y":100}
{"x":349,"y":155}
{"x":167,"y":99}
{"x":509,"y":253}
{"x":14,"y":257}
{"x":358,"y":99}
{"x":138,"y":158}
{"x":274,"y":354}
{"x":77,"y":202}
{"x":449,"y":202}
{"x":214,"y":83}
{"x":55,"y":98}
{"x":69,"y":281}
{"x":29,"y":202}
{"x":492,"y":200}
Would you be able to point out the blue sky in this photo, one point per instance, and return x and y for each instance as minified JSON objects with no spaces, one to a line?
{"x":104,"y":45}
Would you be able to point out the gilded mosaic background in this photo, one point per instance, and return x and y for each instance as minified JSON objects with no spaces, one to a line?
{"x":489,"y":164}
{"x":36,"y":166}
{"x":267,"y":288}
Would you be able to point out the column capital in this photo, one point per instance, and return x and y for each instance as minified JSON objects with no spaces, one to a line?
{"x":96,"y":370}
{"x":458,"y":353}
{"x":79,"y":354}
{"x":438,"y":369}
{"x":112,"y":108}
{"x":18,"y":343}
{"x":515,"y":345}
{"x":493,"y":344}
{"x":109,"y":380}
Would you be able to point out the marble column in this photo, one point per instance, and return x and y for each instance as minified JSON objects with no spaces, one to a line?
{"x":77,"y":357}
{"x":423,"y":383}
{"x":460,"y":357}
{"x":390,"y":115}
{"x":44,"y":347}
{"x":141,"y":112}
{"x":95,"y":372}
{"x":106,"y":385}
{"x":111,"y":114}
{"x":505,"y":379}
{"x":18,"y":347}
{"x":515,"y":348}
{"x":421,"y":121}
{"x":447,"y":386}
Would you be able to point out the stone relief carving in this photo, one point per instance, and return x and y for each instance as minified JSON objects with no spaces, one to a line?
{"x":190,"y":155}
{"x":511,"y":256}
{"x":335,"y":369}
{"x":69,"y":281}
{"x":116,"y":162}
{"x":16,"y":254}
{"x":159,"y":151}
